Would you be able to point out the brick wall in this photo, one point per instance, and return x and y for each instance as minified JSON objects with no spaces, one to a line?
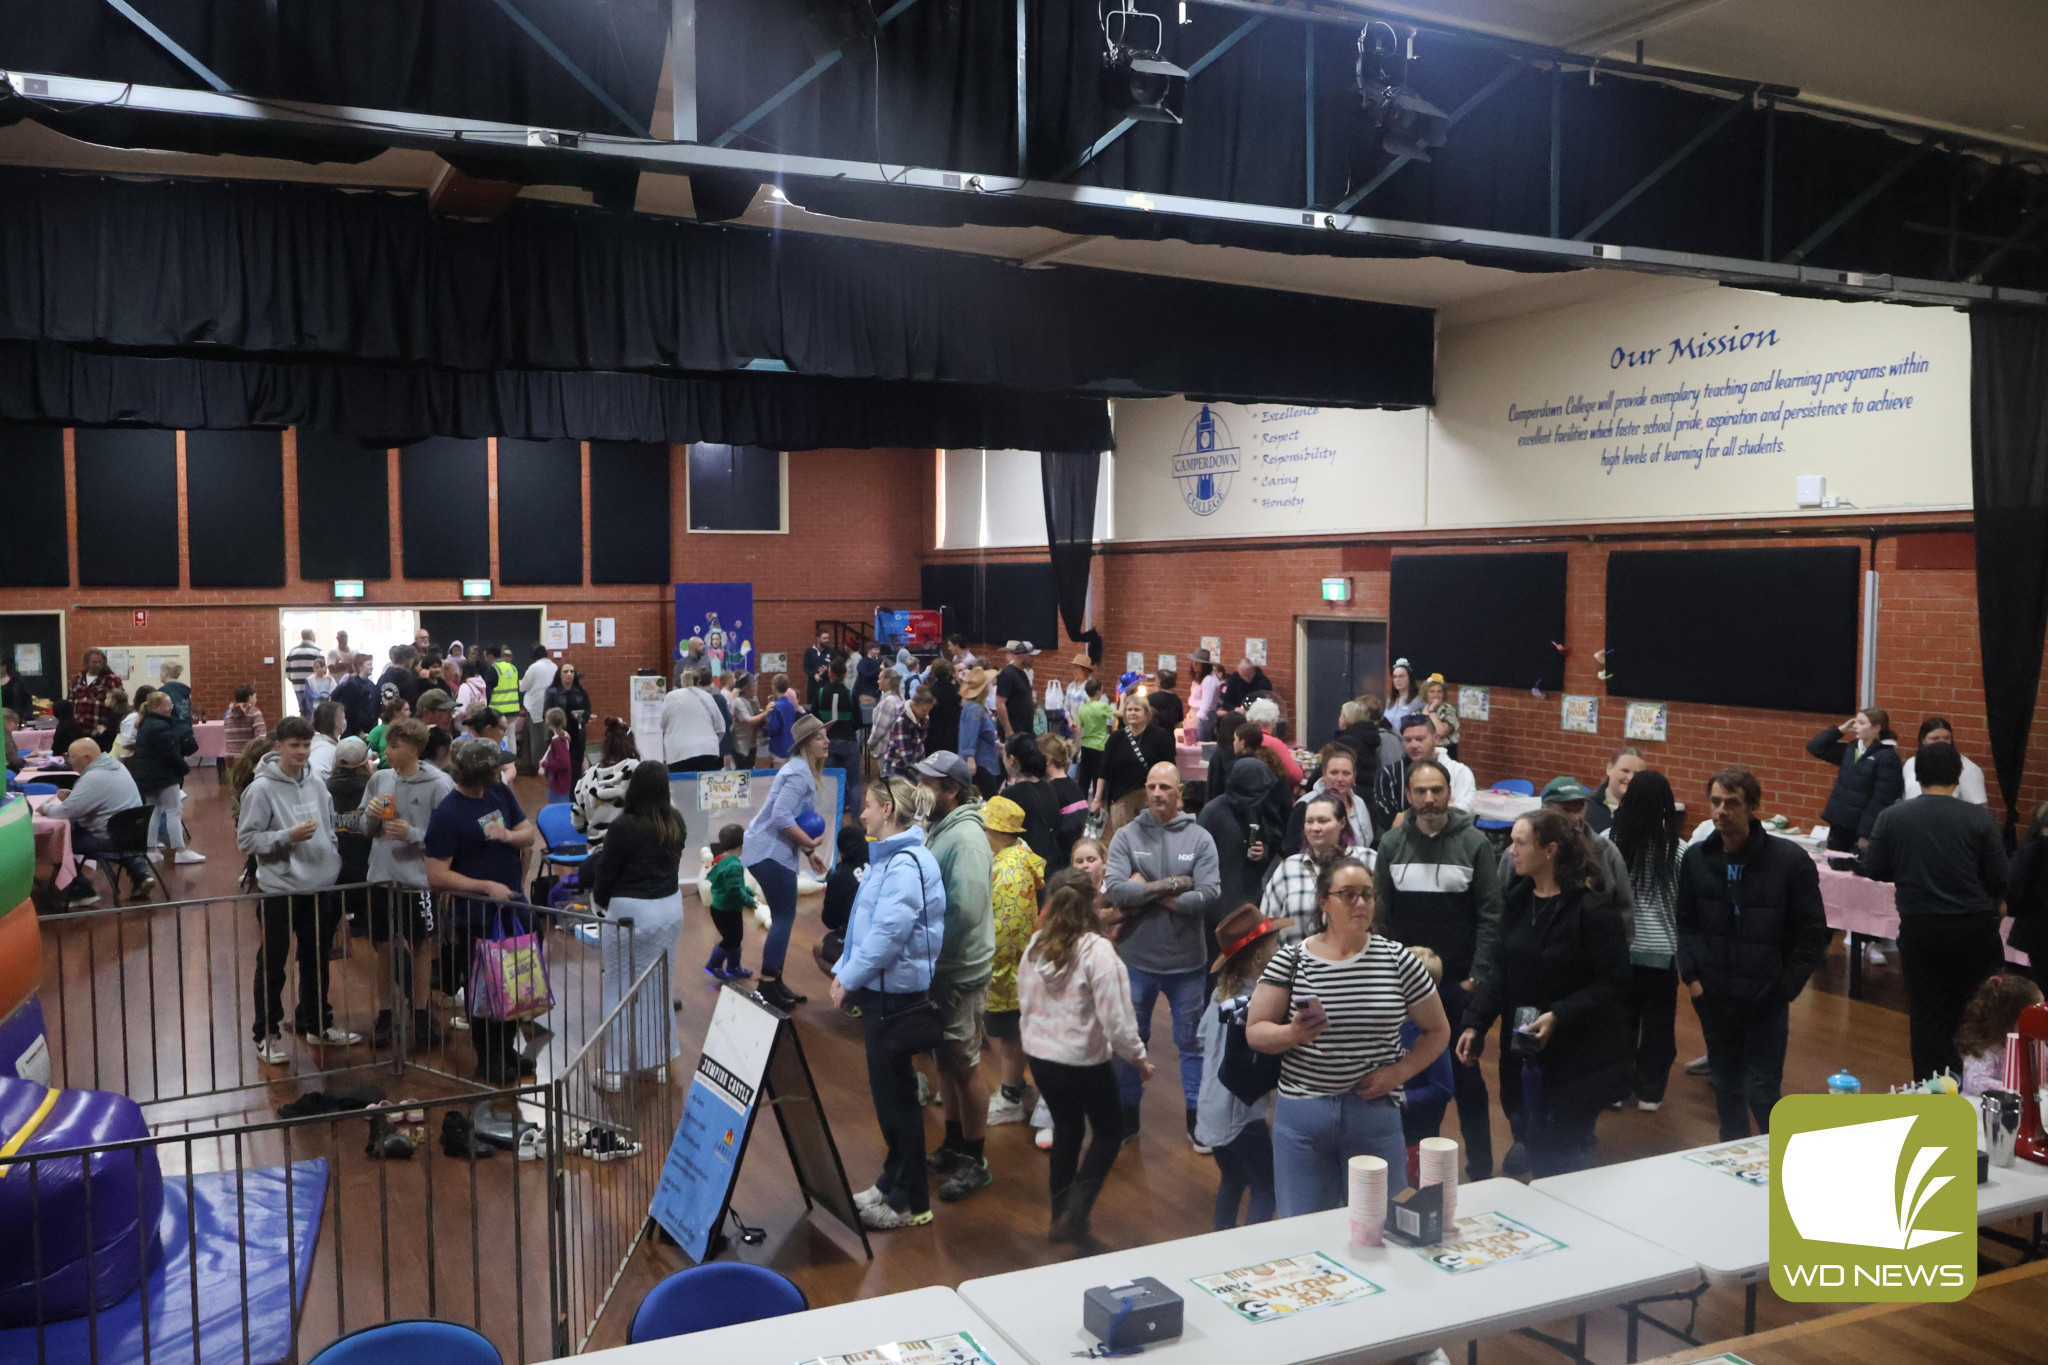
{"x":857,"y":521}
{"x":1163,"y":598}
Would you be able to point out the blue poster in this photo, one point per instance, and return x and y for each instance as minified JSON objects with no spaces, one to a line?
{"x":704,"y":1158}
{"x":715,"y":622}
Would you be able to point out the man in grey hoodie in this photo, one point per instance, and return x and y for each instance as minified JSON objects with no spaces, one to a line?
{"x":287,"y":824}
{"x":1164,"y":876}
{"x":396,"y":806}
{"x":104,"y":788}
{"x":965,"y":966}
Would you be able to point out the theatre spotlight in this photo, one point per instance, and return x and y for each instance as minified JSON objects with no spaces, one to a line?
{"x":1136,"y":81}
{"x":1405,"y":123}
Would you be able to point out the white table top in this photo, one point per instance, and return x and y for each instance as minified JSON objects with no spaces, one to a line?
{"x":1724,"y":1223}
{"x":838,"y":1330}
{"x":1039,"y":1310}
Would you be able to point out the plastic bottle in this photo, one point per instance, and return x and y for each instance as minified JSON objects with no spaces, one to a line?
{"x":1842,"y":1083}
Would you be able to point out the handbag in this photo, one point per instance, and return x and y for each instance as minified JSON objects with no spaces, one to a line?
{"x":1246,"y":1072}
{"x":509,"y":975}
{"x":919,"y":1026}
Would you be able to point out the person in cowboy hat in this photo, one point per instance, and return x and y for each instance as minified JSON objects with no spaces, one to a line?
{"x":1233,"y":1132}
{"x":1014,"y":690}
{"x":977,"y":737}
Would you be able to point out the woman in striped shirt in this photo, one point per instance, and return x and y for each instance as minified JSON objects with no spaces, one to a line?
{"x":1331,"y":1006}
{"x":1648,"y":833}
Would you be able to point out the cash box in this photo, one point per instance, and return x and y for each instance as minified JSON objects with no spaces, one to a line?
{"x":1135,"y":1313}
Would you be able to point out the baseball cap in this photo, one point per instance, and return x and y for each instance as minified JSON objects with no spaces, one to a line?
{"x":351,"y":753}
{"x":1019,"y":647}
{"x":432,"y":700}
{"x":1559,"y":790}
{"x":944,"y":763}
{"x":1002,"y":815}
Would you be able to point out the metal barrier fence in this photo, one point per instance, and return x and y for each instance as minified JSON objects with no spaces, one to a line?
{"x":410,"y":1214}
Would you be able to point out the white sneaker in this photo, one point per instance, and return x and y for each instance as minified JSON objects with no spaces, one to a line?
{"x":332,"y":1036}
{"x":1649,"y":1106}
{"x":155,"y":855}
{"x":1874,"y":955}
{"x":1002,"y":1110}
{"x":271,"y":1051}
{"x":882,"y":1218}
{"x":185,"y":857}
{"x":871,"y":1197}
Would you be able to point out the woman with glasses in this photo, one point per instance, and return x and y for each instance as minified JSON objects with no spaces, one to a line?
{"x":1332,"y":1006}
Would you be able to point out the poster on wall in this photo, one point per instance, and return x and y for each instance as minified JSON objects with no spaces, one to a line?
{"x":607,"y":633}
{"x":721,"y":615}
{"x":1645,"y":720}
{"x":1582,"y":715}
{"x":1255,"y":650}
{"x":1475,"y":703}
{"x":644,"y":692}
{"x":1134,"y":661}
{"x":28,"y":660}
{"x":1187,"y":470}
{"x":1682,"y":400}
{"x":771,"y":664}
{"x":1167,"y":664}
{"x":1214,"y":644}
{"x":555,"y":634}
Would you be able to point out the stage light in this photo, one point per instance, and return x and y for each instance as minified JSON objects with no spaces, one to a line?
{"x":1404,"y":123}
{"x":1137,"y":82}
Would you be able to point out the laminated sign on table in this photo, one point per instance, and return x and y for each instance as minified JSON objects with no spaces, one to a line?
{"x":1276,"y":1289}
{"x":1485,"y":1239}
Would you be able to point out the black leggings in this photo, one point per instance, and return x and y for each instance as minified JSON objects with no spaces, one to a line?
{"x":1081,"y":1097}
{"x":312,"y":917}
{"x":729,"y":924}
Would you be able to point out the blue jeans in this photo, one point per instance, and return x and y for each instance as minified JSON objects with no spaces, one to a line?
{"x":778,"y":884}
{"x":1314,"y":1141}
{"x":1186,"y":993}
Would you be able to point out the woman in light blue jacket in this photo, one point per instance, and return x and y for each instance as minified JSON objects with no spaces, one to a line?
{"x":893,"y":938}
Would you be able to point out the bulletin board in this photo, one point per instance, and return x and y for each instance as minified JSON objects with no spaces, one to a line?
{"x":137,"y":664}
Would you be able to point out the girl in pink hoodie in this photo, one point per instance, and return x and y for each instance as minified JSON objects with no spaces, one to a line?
{"x":1075,"y":1001}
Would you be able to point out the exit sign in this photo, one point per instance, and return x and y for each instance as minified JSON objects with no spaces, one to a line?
{"x":1336,"y":590}
{"x":476,"y":587}
{"x":348,"y":587}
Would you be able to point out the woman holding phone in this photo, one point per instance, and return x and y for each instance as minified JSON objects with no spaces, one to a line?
{"x":1562,"y":971}
{"x":1332,"y":1006}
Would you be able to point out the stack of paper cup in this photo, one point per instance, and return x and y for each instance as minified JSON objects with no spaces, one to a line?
{"x":1368,"y":1200}
{"x":1437,"y":1159}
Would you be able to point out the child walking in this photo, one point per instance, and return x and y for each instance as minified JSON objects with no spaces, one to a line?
{"x":555,"y":764}
{"x":1236,"y":1133}
{"x":730,"y":900}
{"x":1094,"y":715}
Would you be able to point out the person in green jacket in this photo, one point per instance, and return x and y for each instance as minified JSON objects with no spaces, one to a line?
{"x":1094,"y":716}
{"x":965,"y":966}
{"x":731,"y":898}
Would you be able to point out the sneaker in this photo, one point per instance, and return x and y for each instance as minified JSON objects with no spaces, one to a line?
{"x":942,"y":1160}
{"x":925,"y":1094}
{"x":1874,"y":955}
{"x":1696,"y":1067}
{"x":147,"y":886}
{"x":271,"y":1051}
{"x":1516,"y":1162}
{"x":883,"y":1218}
{"x":155,"y":855}
{"x":332,"y":1036}
{"x":969,"y":1177}
{"x":742,"y":974}
{"x":869,"y":1198}
{"x":1002,"y":1110}
{"x":1649,"y":1106}
{"x":716,"y":973}
{"x":1194,"y":1141}
{"x":185,"y":857}
{"x":85,"y":898}
{"x":605,"y":1144}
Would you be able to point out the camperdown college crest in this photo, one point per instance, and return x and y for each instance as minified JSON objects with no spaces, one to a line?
{"x":1206,"y":463}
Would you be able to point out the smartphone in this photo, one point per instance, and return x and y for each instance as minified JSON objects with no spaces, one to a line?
{"x":1524,"y":1042}
{"x":1252,"y":834}
{"x":1308,"y":1008}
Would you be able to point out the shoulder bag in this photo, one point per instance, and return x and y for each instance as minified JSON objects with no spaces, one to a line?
{"x":918,"y":1026}
{"x":1246,"y":1072}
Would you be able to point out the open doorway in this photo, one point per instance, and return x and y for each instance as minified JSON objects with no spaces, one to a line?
{"x":370,"y":631}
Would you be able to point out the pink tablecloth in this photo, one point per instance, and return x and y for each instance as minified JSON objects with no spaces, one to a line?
{"x":1859,"y":905}
{"x":53,"y":842}
{"x":1193,"y":767}
{"x":211,"y":734}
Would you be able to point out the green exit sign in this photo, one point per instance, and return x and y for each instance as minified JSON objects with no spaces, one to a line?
{"x":348,"y":587}
{"x":476,"y":587}
{"x":1336,"y":590}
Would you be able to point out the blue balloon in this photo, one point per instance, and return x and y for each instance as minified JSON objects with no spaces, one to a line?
{"x":811,"y":823}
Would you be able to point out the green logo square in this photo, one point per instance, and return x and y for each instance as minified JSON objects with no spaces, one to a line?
{"x":1873,"y":1198}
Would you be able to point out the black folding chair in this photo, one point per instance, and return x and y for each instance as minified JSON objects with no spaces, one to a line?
{"x":129,"y":833}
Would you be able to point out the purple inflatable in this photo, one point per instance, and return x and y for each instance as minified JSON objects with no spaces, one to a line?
{"x":78,"y":1229}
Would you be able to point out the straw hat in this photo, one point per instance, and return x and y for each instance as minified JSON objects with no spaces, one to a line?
{"x":975,"y":686}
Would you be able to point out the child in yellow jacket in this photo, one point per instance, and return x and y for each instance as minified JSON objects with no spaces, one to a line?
{"x":1019,"y":881}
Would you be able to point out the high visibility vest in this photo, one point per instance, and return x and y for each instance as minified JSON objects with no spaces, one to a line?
{"x":505,"y":689}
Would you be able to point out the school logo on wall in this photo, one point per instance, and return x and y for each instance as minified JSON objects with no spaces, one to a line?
{"x":1206,"y":463}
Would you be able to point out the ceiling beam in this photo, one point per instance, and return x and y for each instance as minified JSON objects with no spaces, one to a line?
{"x":1473,"y":101}
{"x":1664,"y":168}
{"x":1201,"y":64}
{"x":577,"y":73}
{"x":170,"y":45}
{"x":1859,"y":203}
{"x":811,"y":73}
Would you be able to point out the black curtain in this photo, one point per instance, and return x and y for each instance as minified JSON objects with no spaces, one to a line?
{"x":629,"y":512}
{"x":2009,"y":466}
{"x":303,"y":270}
{"x":234,"y":508}
{"x":444,"y":508}
{"x":540,"y":512}
{"x":1069,"y":478}
{"x":344,"y":508}
{"x":35,"y":552}
{"x":127,"y":507}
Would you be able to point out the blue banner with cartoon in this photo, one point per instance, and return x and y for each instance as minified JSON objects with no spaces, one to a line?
{"x":715,"y":626}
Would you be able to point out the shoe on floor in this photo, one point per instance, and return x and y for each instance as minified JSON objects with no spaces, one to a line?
{"x":187,"y":856}
{"x":870,"y":1197}
{"x":1696,"y":1067}
{"x":942,"y":1159}
{"x":271,"y":1051}
{"x":86,"y":899}
{"x":1649,"y":1106}
{"x":1516,"y":1162}
{"x":883,"y":1218}
{"x":738,"y":973}
{"x":1874,"y":955}
{"x":155,"y":855}
{"x":332,"y":1036}
{"x":1001,"y":1110}
{"x":969,"y":1177}
{"x":604,"y":1144}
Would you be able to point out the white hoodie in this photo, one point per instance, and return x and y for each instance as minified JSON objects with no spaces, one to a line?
{"x":1080,"y":1015}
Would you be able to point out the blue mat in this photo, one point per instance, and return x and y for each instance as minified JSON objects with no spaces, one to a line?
{"x":219,"y":1269}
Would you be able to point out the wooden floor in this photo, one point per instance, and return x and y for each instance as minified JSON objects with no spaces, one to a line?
{"x":1160,"y":1188}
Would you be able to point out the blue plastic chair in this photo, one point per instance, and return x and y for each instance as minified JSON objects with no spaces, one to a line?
{"x":1509,"y":786}
{"x":40,"y":789}
{"x":566,"y":844}
{"x":716,"y":1294}
{"x":412,"y":1341}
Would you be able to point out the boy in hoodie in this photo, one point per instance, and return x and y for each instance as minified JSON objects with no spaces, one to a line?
{"x":104,"y":788}
{"x":394,"y":810}
{"x":287,"y":825}
{"x":1164,"y":876}
{"x":730,"y":900}
{"x":1438,"y":886}
{"x":966,"y":963}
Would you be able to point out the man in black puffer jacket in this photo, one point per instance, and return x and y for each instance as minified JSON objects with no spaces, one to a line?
{"x":1751,"y":930}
